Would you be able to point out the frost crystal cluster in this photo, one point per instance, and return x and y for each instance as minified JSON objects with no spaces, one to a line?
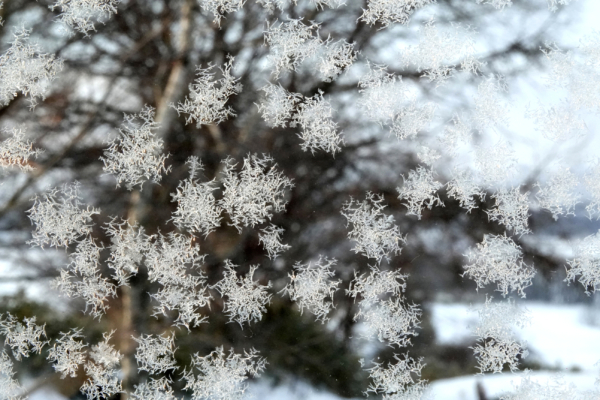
{"x":278,"y":105}
{"x":318,"y":129}
{"x":25,"y":69}
{"x":585,"y":266}
{"x":398,"y":381}
{"x":437,"y":53}
{"x":290,"y":43}
{"x":376,"y":234}
{"x":387,"y":100}
{"x":310,"y":286}
{"x":498,"y":259}
{"x":252,"y":195}
{"x":128,"y":247}
{"x":338,"y":57}
{"x":9,"y":386}
{"x":221,"y":376}
{"x":136,"y":155}
{"x":511,"y":210}
{"x":419,"y":191}
{"x":82,"y":278}
{"x":385,"y":314}
{"x":81,"y":15}
{"x":197,"y":209}
{"x":555,"y":388}
{"x":23,"y":338}
{"x":387,"y":12}
{"x":496,"y":344}
{"x":220,"y":7}
{"x":463,"y":188}
{"x":155,"y":354}
{"x":246,"y":299}
{"x":68,"y":353}
{"x":206,"y":103}
{"x":559,"y":195}
{"x":270,"y":238}
{"x":154,"y":389}
{"x":168,"y":260}
{"x":58,"y":217}
{"x":15,"y":151}
{"x":557,"y":123}
{"x":592,"y":183}
{"x":496,"y":164}
{"x":102,"y":371}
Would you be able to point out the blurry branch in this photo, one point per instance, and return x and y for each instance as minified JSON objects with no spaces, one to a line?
{"x":40,"y":171}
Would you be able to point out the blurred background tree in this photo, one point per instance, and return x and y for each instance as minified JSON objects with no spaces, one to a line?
{"x":147,"y":53}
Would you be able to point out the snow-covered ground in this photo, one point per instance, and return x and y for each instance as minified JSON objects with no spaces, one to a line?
{"x":465,"y":387}
{"x":559,"y":336}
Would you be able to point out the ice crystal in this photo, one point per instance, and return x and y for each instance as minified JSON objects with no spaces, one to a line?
{"x":222,"y":376}
{"x":270,"y":238}
{"x":318,"y":130}
{"x":496,"y":344}
{"x":559,"y":195}
{"x":16,"y":151}
{"x":586,"y":263}
{"x":498,"y":259}
{"x":557,"y":123}
{"x":496,"y":164}
{"x":310,"y":286}
{"x":155,"y":354}
{"x":246,"y":299}
{"x":498,"y":4}
{"x":154,"y":389}
{"x":81,"y":15}
{"x":511,"y":210}
{"x":376,"y":284}
{"x":387,"y":12}
{"x":23,"y":338}
{"x":252,"y":195}
{"x":103,"y":376}
{"x":592,"y":183}
{"x":197,"y":210}
{"x":397,"y":381}
{"x":338,"y":57}
{"x":25,"y":69}
{"x":10,"y":389}
{"x":391,"y":320}
{"x":554,"y":389}
{"x":207,"y":99}
{"x":68,"y":353}
{"x":58,"y":218}
{"x":490,"y":109}
{"x":437,"y":52}
{"x":220,"y":7}
{"x":290,"y":43}
{"x":136,"y":155}
{"x":278,"y":105}
{"x":128,"y":246}
{"x":376,"y":234}
{"x":463,"y":188}
{"x":419,"y":191}
{"x":168,"y":261}
{"x":82,"y":278}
